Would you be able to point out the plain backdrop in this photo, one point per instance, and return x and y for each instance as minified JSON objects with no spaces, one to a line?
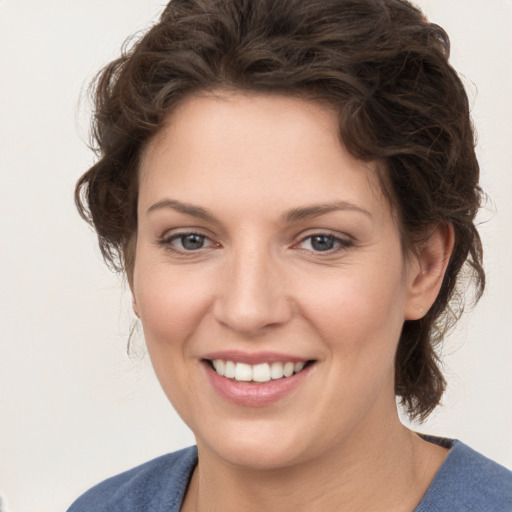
{"x":74,"y":408}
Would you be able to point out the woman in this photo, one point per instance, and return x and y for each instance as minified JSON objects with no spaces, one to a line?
{"x":291,"y":190}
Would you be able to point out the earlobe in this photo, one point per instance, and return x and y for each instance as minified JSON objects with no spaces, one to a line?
{"x":427,"y":269}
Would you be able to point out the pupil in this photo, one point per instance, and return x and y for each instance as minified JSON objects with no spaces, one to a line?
{"x":322,"y":242}
{"x":191,"y":242}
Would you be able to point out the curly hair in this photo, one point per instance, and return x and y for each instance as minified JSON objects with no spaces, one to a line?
{"x":379,"y":63}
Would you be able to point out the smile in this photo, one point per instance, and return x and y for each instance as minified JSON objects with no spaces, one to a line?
{"x":257,"y":379}
{"x":263,"y":372}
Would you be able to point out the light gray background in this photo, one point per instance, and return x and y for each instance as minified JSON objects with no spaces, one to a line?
{"x":74,"y":408}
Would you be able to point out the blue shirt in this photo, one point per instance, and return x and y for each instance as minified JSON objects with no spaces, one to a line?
{"x":466,"y":482}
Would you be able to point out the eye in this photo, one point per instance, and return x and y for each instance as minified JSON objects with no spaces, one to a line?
{"x":187,"y":242}
{"x":323,"y":243}
{"x":190,"y":241}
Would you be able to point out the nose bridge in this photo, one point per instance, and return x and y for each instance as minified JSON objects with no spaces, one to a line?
{"x":253,"y":295}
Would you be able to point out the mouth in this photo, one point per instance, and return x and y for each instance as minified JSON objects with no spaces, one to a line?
{"x":256,"y":380}
{"x":257,"y":373}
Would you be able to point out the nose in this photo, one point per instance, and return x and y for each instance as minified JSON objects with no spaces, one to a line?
{"x":253,"y":295}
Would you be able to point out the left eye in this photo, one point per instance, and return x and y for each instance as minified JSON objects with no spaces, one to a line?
{"x":322,"y":243}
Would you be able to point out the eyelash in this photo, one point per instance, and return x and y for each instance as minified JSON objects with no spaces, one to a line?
{"x":340,"y":243}
{"x":167,"y":242}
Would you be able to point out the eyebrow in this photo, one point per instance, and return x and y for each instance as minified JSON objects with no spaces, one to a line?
{"x":188,"y":209}
{"x":315,"y":210}
{"x":294,"y":215}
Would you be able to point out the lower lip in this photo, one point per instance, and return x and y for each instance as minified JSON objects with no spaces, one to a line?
{"x":255,"y":394}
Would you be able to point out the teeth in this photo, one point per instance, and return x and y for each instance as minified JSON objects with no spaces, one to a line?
{"x":288,"y":369}
{"x":219,"y":366}
{"x":258,"y":373}
{"x":229,"y":370}
{"x":261,"y":372}
{"x":276,"y":371}
{"x":243,"y":372}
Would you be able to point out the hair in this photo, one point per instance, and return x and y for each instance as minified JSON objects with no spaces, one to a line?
{"x":379,"y":63}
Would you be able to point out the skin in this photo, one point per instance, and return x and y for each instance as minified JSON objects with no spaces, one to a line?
{"x":245,"y":166}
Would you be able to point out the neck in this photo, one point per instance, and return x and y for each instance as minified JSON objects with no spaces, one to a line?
{"x":388,"y":468}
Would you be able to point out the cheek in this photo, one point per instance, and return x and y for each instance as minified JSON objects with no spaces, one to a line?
{"x":171,"y":307}
{"x":360,"y":314}
{"x":169,"y":302}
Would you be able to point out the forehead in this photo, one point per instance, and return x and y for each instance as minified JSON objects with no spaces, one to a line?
{"x":247,"y":118}
{"x":252,"y":143}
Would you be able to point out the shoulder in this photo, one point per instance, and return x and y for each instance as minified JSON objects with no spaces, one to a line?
{"x":157,"y":485}
{"x":469,"y":482}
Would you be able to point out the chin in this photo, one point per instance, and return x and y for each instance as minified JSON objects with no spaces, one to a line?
{"x":255,"y":446}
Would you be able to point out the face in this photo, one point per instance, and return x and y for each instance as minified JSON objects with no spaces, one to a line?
{"x":265,"y":250}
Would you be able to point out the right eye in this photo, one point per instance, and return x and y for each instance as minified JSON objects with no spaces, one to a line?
{"x":187,"y":242}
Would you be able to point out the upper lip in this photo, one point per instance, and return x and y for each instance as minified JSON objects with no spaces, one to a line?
{"x":254,"y":357}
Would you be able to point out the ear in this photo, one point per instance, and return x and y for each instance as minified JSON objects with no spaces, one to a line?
{"x":426,"y":271}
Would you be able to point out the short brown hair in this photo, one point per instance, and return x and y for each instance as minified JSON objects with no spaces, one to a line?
{"x":380,"y":63}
